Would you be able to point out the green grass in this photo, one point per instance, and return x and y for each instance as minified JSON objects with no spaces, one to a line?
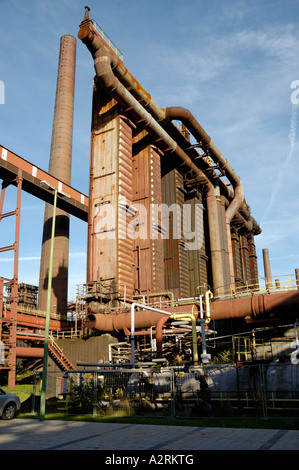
{"x":249,"y":423}
{"x":24,"y":391}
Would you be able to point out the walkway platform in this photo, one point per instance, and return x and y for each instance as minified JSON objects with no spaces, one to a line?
{"x":30,"y":434}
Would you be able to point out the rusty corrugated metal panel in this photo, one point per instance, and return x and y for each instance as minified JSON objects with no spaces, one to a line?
{"x":141,"y":193}
{"x":245,"y":258}
{"x":103,"y":191}
{"x":175,"y":253}
{"x":237,"y":256}
{"x":170,"y":255}
{"x":156,"y":243}
{"x":254,"y":277}
{"x":125,"y":178}
{"x":197,"y":259}
{"x":110,"y":250}
{"x":148,"y":252}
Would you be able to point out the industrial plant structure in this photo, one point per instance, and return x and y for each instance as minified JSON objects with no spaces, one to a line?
{"x":171,"y":256}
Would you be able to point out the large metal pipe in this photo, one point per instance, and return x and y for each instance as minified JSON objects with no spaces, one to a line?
{"x":60,"y":167}
{"x":187,"y":118}
{"x":184,"y":115}
{"x":115,"y":78}
{"x":257,"y":306}
{"x":142,"y":318}
{"x":122,"y":321}
{"x":215,"y":241}
{"x":111,"y":83}
{"x":29,"y":352}
{"x":107,"y":64}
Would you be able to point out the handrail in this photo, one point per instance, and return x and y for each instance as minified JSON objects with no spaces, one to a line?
{"x":98,"y":30}
{"x":277,"y":284}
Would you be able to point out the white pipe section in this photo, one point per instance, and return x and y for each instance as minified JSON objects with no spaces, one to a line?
{"x":144,"y":307}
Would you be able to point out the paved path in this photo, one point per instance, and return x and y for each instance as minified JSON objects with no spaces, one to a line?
{"x":27,"y":434}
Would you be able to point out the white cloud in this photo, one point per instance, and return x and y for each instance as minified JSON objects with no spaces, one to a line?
{"x":284,"y":164}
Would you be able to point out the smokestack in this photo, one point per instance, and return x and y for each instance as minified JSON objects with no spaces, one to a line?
{"x":267,"y":268}
{"x":59,"y":166}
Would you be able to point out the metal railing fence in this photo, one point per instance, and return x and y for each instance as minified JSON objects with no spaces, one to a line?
{"x":226,"y":390}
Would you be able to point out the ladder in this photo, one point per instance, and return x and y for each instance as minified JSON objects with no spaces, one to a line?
{"x":8,"y":335}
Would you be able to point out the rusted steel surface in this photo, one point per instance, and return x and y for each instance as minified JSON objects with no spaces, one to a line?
{"x":237,"y":256}
{"x":143,"y":318}
{"x":158,"y":269}
{"x":125,"y":180}
{"x":22,"y":351}
{"x":110,"y":250}
{"x":227,"y":257}
{"x":31,"y":322}
{"x":217,"y":228}
{"x":148,"y":244}
{"x":258,"y":306}
{"x":254,"y":277}
{"x":60,"y":167}
{"x":175,"y":252}
{"x":32,"y":175}
{"x":11,"y":340}
{"x":198,"y":260}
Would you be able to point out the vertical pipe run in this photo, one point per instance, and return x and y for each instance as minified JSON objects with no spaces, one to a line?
{"x":215,"y":241}
{"x":60,"y":167}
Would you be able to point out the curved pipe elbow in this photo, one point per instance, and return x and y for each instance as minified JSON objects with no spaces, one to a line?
{"x":187,"y":118}
{"x":102,"y":65}
{"x":199,"y":133}
{"x":236,"y":203}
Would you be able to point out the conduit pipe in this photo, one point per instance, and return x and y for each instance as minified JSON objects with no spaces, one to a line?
{"x":144,"y":307}
{"x":103,"y":67}
{"x":208,"y":296}
{"x":158,"y":294}
{"x":257,"y":306}
{"x":108,"y":68}
{"x":29,"y":352}
{"x":191,"y":317}
{"x":105,"y":73}
{"x":214,"y":222}
{"x":106,"y":63}
{"x":184,"y":115}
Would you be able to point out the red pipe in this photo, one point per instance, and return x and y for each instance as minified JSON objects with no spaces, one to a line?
{"x":29,"y":352}
{"x":257,"y":306}
{"x":122,"y":321}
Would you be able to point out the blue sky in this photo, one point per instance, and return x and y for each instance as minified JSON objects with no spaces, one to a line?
{"x":231,"y":63}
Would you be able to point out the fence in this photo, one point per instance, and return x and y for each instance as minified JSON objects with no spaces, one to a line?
{"x":258,"y":390}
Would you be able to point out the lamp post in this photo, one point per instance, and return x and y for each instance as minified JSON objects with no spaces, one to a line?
{"x":46,"y":185}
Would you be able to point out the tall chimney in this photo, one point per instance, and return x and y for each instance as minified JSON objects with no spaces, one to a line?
{"x":267,"y":268}
{"x":59,"y":166}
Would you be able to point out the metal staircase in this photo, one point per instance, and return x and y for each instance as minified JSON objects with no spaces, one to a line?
{"x":60,"y":359}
